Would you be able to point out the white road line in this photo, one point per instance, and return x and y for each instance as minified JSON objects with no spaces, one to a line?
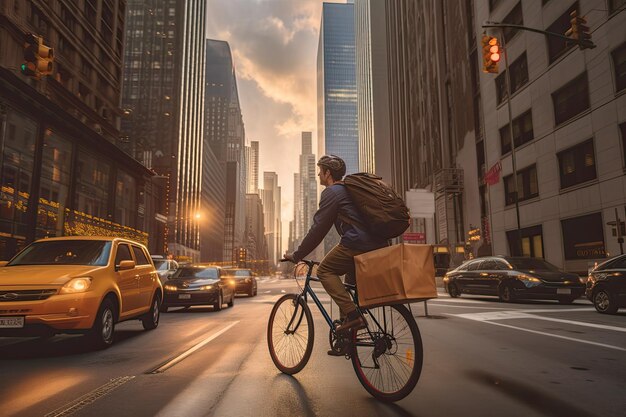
{"x":480,"y":308}
{"x":267,"y":292}
{"x":90,"y":397}
{"x":558,"y":336}
{"x":188,"y":352}
{"x":581,"y":323}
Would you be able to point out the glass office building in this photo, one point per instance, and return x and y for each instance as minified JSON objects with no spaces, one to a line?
{"x":336,"y":85}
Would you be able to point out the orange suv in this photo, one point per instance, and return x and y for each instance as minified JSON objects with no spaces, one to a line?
{"x":78,"y":284}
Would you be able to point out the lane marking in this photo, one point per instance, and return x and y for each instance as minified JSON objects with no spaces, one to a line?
{"x":453,"y":306}
{"x":267,"y":292}
{"x":582,"y":323}
{"x":191,"y":350}
{"x":90,"y":397}
{"x":571,"y":339}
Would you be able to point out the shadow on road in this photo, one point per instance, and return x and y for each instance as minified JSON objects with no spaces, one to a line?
{"x":35,"y":348}
{"x":530,"y":396}
{"x":304,"y":402}
{"x":389,"y":409}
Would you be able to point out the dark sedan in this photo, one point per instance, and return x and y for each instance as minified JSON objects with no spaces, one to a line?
{"x":198,"y":285}
{"x":245,"y":280}
{"x":512,"y":278}
{"x":606,"y":285}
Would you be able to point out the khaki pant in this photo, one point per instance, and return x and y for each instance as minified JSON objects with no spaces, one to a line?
{"x":337,"y":262}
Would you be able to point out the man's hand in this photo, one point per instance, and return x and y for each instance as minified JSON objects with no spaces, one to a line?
{"x":289,"y":256}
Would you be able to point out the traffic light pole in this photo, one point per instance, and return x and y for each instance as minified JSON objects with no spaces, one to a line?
{"x":515,"y":182}
{"x":583,"y":43}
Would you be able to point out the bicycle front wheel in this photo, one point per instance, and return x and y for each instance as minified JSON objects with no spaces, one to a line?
{"x":387,"y":355}
{"x":290,"y":334}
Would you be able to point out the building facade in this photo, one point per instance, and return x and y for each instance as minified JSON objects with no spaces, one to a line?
{"x":225,"y":133}
{"x":164,"y":101}
{"x":61,"y":172}
{"x":252,"y":164}
{"x":568,"y":112}
{"x":372,"y":88}
{"x":336,"y":85}
{"x":270,"y":196}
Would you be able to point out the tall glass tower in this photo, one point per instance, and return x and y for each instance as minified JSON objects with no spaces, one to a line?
{"x":336,"y":85}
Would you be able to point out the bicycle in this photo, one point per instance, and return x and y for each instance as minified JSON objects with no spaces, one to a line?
{"x":387,"y":355}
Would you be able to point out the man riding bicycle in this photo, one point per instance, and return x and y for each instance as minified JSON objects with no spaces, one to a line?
{"x":335,"y":207}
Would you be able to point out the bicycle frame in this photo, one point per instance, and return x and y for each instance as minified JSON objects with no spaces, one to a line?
{"x":308,"y":291}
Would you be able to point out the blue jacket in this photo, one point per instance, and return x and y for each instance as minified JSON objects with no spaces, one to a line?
{"x":335,"y":202}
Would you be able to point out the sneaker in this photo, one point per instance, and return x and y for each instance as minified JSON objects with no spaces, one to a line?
{"x":352,"y":323}
{"x":332,"y":352}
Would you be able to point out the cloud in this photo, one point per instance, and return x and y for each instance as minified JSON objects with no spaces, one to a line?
{"x":274,"y":44}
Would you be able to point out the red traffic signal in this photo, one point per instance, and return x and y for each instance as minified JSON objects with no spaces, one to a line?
{"x":491,"y":53}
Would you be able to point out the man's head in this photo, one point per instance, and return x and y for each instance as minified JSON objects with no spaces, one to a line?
{"x":332,"y":169}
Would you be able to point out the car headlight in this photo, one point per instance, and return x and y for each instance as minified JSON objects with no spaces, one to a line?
{"x":76,"y":285}
{"x":446,"y":279}
{"x":232,"y":282}
{"x":170,"y":288}
{"x":207,"y":287}
{"x":529,"y":281}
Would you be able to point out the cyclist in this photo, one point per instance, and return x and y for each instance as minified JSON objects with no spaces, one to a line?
{"x":335,"y":205}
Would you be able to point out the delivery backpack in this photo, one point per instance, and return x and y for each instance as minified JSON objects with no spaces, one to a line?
{"x":384,"y":212}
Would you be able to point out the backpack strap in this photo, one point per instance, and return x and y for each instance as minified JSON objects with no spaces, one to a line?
{"x":345,"y":218}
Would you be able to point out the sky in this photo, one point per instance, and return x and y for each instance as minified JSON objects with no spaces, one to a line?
{"x":274,"y":45}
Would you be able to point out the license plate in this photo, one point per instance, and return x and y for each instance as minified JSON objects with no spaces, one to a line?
{"x":11,"y":322}
{"x":184,"y":296}
{"x":563,"y":291}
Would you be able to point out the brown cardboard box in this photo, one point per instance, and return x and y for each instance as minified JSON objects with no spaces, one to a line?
{"x":396,"y":274}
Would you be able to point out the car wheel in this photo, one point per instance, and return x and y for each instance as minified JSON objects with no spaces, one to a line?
{"x":255,"y":292}
{"x":506,"y":293}
{"x":218,"y":305}
{"x":101,"y":334}
{"x":232,"y":300}
{"x":453,"y":290}
{"x":150,"y":320}
{"x":604,"y":302}
{"x":163,"y":308}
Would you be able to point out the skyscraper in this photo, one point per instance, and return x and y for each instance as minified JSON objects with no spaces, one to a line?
{"x":226,"y":136}
{"x":272,"y":216}
{"x":252,"y":164}
{"x":164,"y":100}
{"x":373,"y":88}
{"x":336,"y":85}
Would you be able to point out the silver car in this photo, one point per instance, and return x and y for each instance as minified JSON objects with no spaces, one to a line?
{"x":165,"y":268}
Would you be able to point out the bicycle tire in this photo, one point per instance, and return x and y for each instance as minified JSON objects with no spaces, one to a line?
{"x":287,"y":350}
{"x":405,"y":350}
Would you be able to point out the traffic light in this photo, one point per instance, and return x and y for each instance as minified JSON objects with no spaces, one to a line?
{"x":579,"y":31}
{"x":37,"y":56}
{"x":491,"y":54}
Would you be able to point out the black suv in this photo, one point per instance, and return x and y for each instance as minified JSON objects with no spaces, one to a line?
{"x":606,"y":285}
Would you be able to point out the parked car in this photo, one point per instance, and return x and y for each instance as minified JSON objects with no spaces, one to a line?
{"x":197,"y":284}
{"x":512,"y":278}
{"x":165,"y":267}
{"x":245,"y":280}
{"x":606,"y":285}
{"x":77,"y":284}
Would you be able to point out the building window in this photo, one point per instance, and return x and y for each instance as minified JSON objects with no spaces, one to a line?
{"x":526,"y":185}
{"x":92,"y":186}
{"x":531,"y":244}
{"x":480,"y":158}
{"x":522,"y":131}
{"x":619,"y":64}
{"x":571,"y":99}
{"x":577,"y":164}
{"x":514,"y":17}
{"x":583,"y":237}
{"x":519,"y":78}
{"x":557,"y":46}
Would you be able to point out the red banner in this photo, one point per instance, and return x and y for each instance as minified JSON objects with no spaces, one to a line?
{"x":414,"y":237}
{"x":493,"y":175}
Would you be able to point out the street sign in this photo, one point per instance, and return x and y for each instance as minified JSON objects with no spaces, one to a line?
{"x":414,"y":237}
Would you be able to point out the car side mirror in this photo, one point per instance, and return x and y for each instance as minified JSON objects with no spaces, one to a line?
{"x":3,"y":263}
{"x":125,"y":265}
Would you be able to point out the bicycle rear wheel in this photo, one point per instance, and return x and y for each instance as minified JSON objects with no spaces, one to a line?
{"x":387,"y":356}
{"x":290,"y":334}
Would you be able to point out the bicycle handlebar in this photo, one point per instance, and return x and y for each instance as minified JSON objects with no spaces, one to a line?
{"x":306,"y":261}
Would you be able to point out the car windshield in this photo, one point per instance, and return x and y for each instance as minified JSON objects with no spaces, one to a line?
{"x":64,"y":252}
{"x":532,"y":264}
{"x":160,"y":265}
{"x":195,"y":272}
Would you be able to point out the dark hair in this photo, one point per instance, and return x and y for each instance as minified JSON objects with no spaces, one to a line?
{"x":334,"y":164}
